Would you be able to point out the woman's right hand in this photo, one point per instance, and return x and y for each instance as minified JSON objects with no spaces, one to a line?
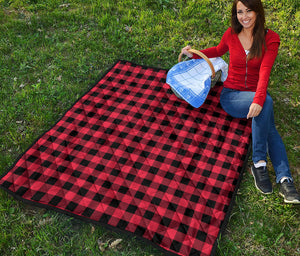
{"x":184,"y":51}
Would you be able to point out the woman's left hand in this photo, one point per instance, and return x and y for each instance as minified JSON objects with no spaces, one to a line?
{"x":254,"y":110}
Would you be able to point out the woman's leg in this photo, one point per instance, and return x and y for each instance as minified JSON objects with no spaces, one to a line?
{"x":265,"y":137}
{"x":277,"y":153}
{"x":236,"y":104}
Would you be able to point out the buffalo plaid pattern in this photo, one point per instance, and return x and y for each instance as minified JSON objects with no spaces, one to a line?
{"x":131,"y":155}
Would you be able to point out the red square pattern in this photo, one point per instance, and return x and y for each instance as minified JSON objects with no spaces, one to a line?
{"x":131,"y":155}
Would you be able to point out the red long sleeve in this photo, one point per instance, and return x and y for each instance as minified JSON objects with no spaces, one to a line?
{"x":265,"y":71}
{"x":243,"y":74}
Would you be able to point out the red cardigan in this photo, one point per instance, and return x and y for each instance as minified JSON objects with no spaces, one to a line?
{"x":252,"y":75}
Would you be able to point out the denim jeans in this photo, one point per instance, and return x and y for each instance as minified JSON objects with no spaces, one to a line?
{"x":265,"y":138}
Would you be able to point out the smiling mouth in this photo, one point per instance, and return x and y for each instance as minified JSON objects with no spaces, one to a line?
{"x":246,"y":22}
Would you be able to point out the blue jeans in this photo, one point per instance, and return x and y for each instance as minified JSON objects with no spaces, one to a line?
{"x":265,"y":138}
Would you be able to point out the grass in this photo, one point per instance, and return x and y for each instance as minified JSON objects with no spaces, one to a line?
{"x":53,"y":51}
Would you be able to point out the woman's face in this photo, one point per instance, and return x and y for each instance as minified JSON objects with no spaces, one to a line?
{"x":245,"y":16}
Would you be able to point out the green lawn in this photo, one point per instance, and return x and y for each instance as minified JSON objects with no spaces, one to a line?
{"x":52,"y":51}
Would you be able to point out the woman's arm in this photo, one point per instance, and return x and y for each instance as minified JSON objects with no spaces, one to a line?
{"x":262,"y":85}
{"x":270,"y":55}
{"x":265,"y":71}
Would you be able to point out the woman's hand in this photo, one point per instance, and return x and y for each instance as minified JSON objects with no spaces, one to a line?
{"x":254,"y":110}
{"x":185,"y":51}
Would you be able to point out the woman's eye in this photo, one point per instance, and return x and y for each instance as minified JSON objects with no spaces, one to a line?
{"x":249,"y":10}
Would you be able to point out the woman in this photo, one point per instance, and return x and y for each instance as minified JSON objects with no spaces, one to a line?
{"x":253,"y":50}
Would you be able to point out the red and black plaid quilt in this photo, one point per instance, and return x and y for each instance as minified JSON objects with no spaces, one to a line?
{"x":132,"y":156}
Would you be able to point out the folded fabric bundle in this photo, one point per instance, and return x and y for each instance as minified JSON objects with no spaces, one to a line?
{"x":191,"y":80}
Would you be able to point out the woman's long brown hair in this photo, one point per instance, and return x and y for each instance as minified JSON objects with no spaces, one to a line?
{"x":259,"y":27}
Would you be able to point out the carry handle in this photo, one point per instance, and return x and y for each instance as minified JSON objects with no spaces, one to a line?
{"x":204,"y":57}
